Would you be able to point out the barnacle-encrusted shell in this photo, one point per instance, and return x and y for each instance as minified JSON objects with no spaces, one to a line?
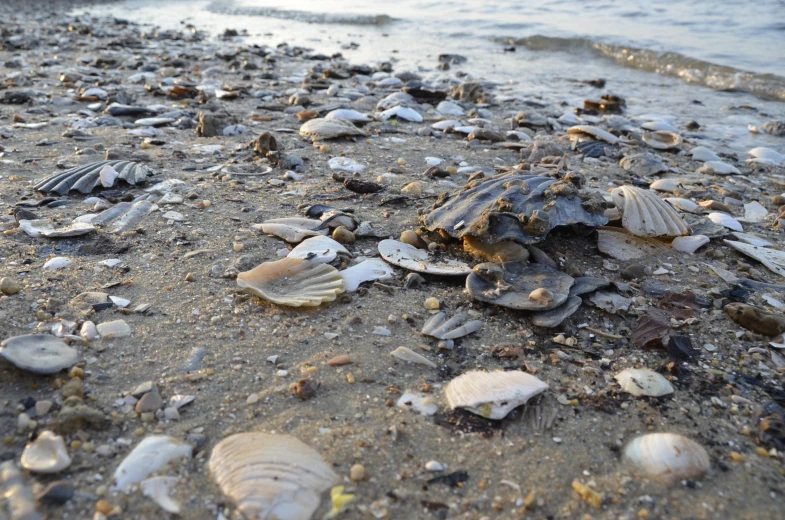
{"x":512,"y":284}
{"x":413,"y":259}
{"x":668,"y":457}
{"x":87,"y":177}
{"x":642,"y":381}
{"x":271,"y":477}
{"x":293,"y":281}
{"x":321,"y":129}
{"x":458,"y":326}
{"x":46,"y":454}
{"x":510,"y":206}
{"x":662,"y":140}
{"x":645,"y":214}
{"x":492,"y":394}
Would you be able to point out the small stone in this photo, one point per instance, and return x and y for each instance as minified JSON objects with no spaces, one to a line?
{"x":433,"y":465}
{"x":238,"y":247}
{"x":9,"y":287}
{"x":56,"y":493}
{"x":305,"y":389}
{"x":171,"y":414}
{"x":42,"y":407}
{"x":432,"y":304}
{"x":252,"y":399}
{"x":143,"y":388}
{"x":150,"y":402}
{"x":114,"y":329}
{"x":412,"y":238}
{"x":413,"y":280}
{"x":73,"y":387}
{"x":413,"y":189}
{"x":357,"y":473}
{"x":343,"y":235}
{"x":190,"y":277}
{"x":340,"y":360}
{"x":755,"y":319}
{"x":103,"y":507}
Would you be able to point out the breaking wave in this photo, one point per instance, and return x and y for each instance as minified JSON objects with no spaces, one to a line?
{"x":228,"y":7}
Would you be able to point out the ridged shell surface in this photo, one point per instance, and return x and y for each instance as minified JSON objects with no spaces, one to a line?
{"x":512,"y":285}
{"x":87,"y":177}
{"x":668,"y":457}
{"x":642,"y":381}
{"x":440,"y":327}
{"x":271,"y":477}
{"x":492,"y":394}
{"x":645,"y":214}
{"x":293,"y":281}
{"x":321,"y":129}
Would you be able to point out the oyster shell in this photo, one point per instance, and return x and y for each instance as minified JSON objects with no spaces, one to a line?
{"x":88,"y":177}
{"x":293,"y":281}
{"x":597,"y":133}
{"x":662,"y":140}
{"x":319,"y":249}
{"x":642,"y":381}
{"x":668,"y":457}
{"x":46,"y":454}
{"x":371,"y":269}
{"x":645,"y":214}
{"x":271,"y":476}
{"x":510,"y":206}
{"x":322,"y":129}
{"x":293,"y":230}
{"x":512,"y":285}
{"x":492,"y":394}
{"x":413,"y":259}
{"x":438,"y":326}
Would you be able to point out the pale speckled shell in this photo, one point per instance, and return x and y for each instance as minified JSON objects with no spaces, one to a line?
{"x":321,"y":129}
{"x":668,"y":457}
{"x":593,"y":131}
{"x":46,"y":454}
{"x":293,"y":281}
{"x":458,"y":326}
{"x":319,"y":249}
{"x":645,"y":214}
{"x":371,"y":269}
{"x":271,"y":477}
{"x":413,"y":259}
{"x":642,"y":381}
{"x":662,"y":140}
{"x":492,"y":394}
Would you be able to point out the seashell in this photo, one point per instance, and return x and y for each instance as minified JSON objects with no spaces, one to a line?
{"x":88,"y":332}
{"x":107,"y":176}
{"x":771,"y":258}
{"x":718,"y":168}
{"x":753,"y":240}
{"x":157,"y":489}
{"x":413,"y":259}
{"x":113,"y":329}
{"x":445,"y":124}
{"x":554,"y":317}
{"x":624,"y":246}
{"x":449,"y":108}
{"x":422,"y":404}
{"x":39,"y":353}
{"x":271,"y":476}
{"x":755,"y":212}
{"x":46,"y":454}
{"x":151,"y":455}
{"x":767,"y":154}
{"x":667,"y":185}
{"x":725,"y":220}
{"x":642,"y":381}
{"x":322,"y":129}
{"x":337,"y":218}
{"x":126,"y":219}
{"x":645,"y":214}
{"x":345,"y":114}
{"x":438,"y":326}
{"x":610,"y":302}
{"x":504,"y":251}
{"x":659,"y":126}
{"x":492,"y":395}
{"x":690,"y":244}
{"x":511,"y":285}
{"x":345,"y":164}
{"x":369,"y":229}
{"x":662,"y":140}
{"x":685,"y":205}
{"x":668,"y":457}
{"x":405,"y":113}
{"x":88,"y":177}
{"x":44,"y":228}
{"x":292,"y":230}
{"x":701,"y":153}
{"x":593,"y":131}
{"x":371,"y":269}
{"x":410,"y":356}
{"x":396,"y":99}
{"x":643,"y":164}
{"x":58,"y":262}
{"x":293,"y":281}
{"x":319,"y":249}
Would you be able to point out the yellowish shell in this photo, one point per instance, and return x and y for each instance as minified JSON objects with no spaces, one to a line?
{"x":295,"y":282}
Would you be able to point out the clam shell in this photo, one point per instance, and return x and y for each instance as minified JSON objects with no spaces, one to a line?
{"x":690,"y":244}
{"x":642,"y":381}
{"x":88,"y":177}
{"x":643,"y":164}
{"x":293,"y":281}
{"x":39,"y":353}
{"x":662,"y":140}
{"x":718,"y":168}
{"x":593,"y":131}
{"x":438,"y":326}
{"x":395,"y":99}
{"x":319,"y":249}
{"x":405,"y":113}
{"x":271,"y":476}
{"x":445,"y":124}
{"x":511,"y":285}
{"x":771,"y":258}
{"x":449,"y":108}
{"x":701,"y":153}
{"x":322,"y":129}
{"x":492,"y":394}
{"x":413,"y":259}
{"x":292,"y":230}
{"x":345,"y":114}
{"x":725,"y":220}
{"x":645,"y":214}
{"x":149,"y":456}
{"x":46,"y":454}
{"x":667,"y":185}
{"x":44,"y":228}
{"x":371,"y":269}
{"x":668,"y":457}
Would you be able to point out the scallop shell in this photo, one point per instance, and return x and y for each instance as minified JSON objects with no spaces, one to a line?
{"x":46,"y":454}
{"x":371,"y":269}
{"x":345,"y":114}
{"x":593,"y":131}
{"x":149,"y":456}
{"x":645,"y":214}
{"x":662,"y":140}
{"x":322,"y":129}
{"x":413,"y":259}
{"x":668,"y":457}
{"x":87,"y":177}
{"x":271,"y":476}
{"x":510,"y":286}
{"x":438,"y":326}
{"x":642,"y":381}
{"x":319,"y":249}
{"x":725,"y":220}
{"x":771,"y":258}
{"x":293,"y":281}
{"x":293,"y":230}
{"x":39,"y":353}
{"x":492,"y":394}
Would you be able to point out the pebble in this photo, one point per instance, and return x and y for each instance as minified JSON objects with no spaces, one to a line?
{"x":343,"y":235}
{"x":9,"y":287}
{"x":150,"y":402}
{"x":432,"y":304}
{"x":357,"y":473}
{"x":340,"y":360}
{"x":56,"y":493}
{"x":433,"y":465}
{"x":413,"y":189}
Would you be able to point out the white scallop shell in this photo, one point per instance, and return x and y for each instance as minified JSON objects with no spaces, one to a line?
{"x":593,"y":131}
{"x":319,"y":249}
{"x":346,"y":114}
{"x":456,"y":327}
{"x":371,"y":269}
{"x":413,"y":259}
{"x":725,"y":220}
{"x":668,"y":457}
{"x":662,"y":140}
{"x":321,"y":129}
{"x":718,"y":168}
{"x":293,"y":281}
{"x":46,"y":454}
{"x":149,"y":456}
{"x":701,"y":153}
{"x":642,"y":381}
{"x":645,"y":214}
{"x":271,"y":476}
{"x":293,"y":230}
{"x":492,"y":394}
{"x":690,"y":244}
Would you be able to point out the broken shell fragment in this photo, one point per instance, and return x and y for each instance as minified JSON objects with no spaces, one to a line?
{"x":511,"y":285}
{"x":771,"y":258}
{"x":718,"y":168}
{"x":292,"y":230}
{"x":271,"y":476}
{"x":597,"y":133}
{"x":624,"y":246}
{"x":642,"y":381}
{"x":319,"y":249}
{"x":157,"y":489}
{"x":643,"y":164}
{"x":322,"y":129}
{"x":371,"y":269}
{"x":46,"y":454}
{"x":701,"y":153}
{"x":88,"y":177}
{"x":420,"y":403}
{"x":44,"y":228}
{"x":725,"y":220}
{"x":410,"y":356}
{"x":645,"y":214}
{"x":149,"y":456}
{"x":690,"y":244}
{"x":668,"y":457}
{"x":39,"y":353}
{"x":662,"y":140}
{"x":418,"y":260}
{"x":492,"y":395}
{"x":438,"y":326}
{"x":294,"y":282}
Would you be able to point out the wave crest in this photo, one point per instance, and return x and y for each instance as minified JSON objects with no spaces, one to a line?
{"x":230,"y":8}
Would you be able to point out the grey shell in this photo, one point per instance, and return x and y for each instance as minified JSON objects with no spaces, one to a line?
{"x":87,"y":177}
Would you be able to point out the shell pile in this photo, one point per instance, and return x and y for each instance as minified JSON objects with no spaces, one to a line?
{"x":294,"y":282}
{"x":492,"y":395}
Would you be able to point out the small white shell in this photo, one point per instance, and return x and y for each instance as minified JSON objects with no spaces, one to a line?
{"x":645,"y":214}
{"x":458,"y":326}
{"x":413,"y":259}
{"x":421,"y":403}
{"x":107,"y":176}
{"x":642,"y":381}
{"x":662,"y":140}
{"x":319,"y":249}
{"x":593,"y":131}
{"x":346,"y":114}
{"x":492,"y":394}
{"x":149,"y":456}
{"x":445,"y":124}
{"x":271,"y":476}
{"x":371,"y":269}
{"x":667,"y":185}
{"x":157,"y":489}
{"x":685,"y":205}
{"x":321,"y":129}
{"x":113,"y":329}
{"x":762,"y":152}
{"x":58,"y":262}
{"x":293,"y":230}
{"x":725,"y":220}
{"x":46,"y":454}
{"x":44,"y":228}
{"x":345,"y":164}
{"x":408,"y":355}
{"x":690,"y":244}
{"x":701,"y":153}
{"x":667,"y":457}
{"x":293,"y":281}
{"x":405,"y":113}
{"x":771,"y":258}
{"x":449,"y":108}
{"x":88,"y":332}
{"x":718,"y":168}
{"x":658,"y":125}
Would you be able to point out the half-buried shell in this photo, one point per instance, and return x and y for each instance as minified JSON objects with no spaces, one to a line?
{"x":322,"y":129}
{"x":492,"y":394}
{"x":514,"y":285}
{"x":88,"y":177}
{"x":642,"y":381}
{"x":293,"y":281}
{"x":438,"y":326}
{"x":668,"y":457}
{"x":645,"y":214}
